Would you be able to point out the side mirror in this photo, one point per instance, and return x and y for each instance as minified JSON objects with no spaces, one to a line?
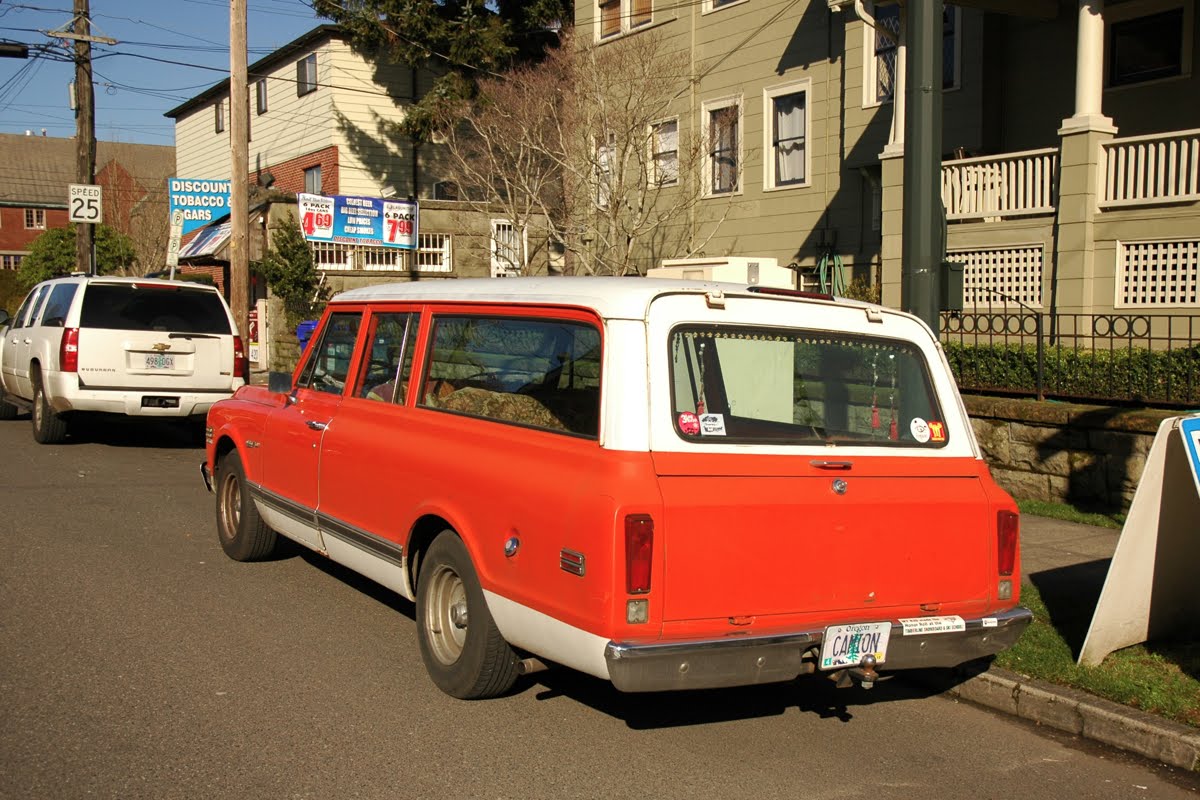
{"x":279,"y":382}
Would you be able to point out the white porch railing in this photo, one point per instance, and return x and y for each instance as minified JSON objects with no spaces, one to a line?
{"x":1145,"y":170}
{"x":1007,"y":185}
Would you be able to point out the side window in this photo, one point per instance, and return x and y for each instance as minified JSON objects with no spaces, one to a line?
{"x":544,"y":373}
{"x":329,"y":365}
{"x":59,"y":304}
{"x":388,"y":363}
{"x":23,"y":311}
{"x":39,"y":303}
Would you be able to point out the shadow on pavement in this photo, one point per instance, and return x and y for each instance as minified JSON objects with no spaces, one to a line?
{"x":124,"y":432}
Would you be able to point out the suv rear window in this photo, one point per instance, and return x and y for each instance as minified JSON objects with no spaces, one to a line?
{"x":151,"y":307}
{"x":779,"y":386}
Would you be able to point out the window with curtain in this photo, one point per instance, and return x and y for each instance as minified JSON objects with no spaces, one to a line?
{"x":306,"y":74}
{"x":664,"y":138}
{"x":788,"y":121}
{"x":723,"y":148}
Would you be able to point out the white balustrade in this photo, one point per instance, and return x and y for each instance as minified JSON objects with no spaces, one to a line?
{"x":1150,"y":170}
{"x":1007,"y":185}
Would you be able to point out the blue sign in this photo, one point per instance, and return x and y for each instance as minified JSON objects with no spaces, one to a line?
{"x":371,"y":221}
{"x":201,"y":201}
{"x":1189,"y":427}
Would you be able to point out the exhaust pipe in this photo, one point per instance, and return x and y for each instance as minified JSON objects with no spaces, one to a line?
{"x":528,"y":666}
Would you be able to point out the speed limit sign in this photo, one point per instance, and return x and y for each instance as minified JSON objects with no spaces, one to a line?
{"x":85,"y":203}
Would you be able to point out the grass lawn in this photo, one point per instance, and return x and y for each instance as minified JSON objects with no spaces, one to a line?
{"x":1040,"y":508}
{"x":1162,"y":677}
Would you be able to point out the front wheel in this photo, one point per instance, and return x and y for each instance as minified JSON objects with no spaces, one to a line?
{"x":243,"y":534}
{"x":461,"y":646}
{"x":48,"y":426}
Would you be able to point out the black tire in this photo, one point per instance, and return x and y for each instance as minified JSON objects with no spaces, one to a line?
{"x":7,"y":410}
{"x":468,"y":661}
{"x":243,"y":534}
{"x":48,"y":426}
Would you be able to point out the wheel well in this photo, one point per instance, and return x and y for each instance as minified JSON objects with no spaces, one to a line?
{"x":423,"y":533}
{"x":224,"y":445}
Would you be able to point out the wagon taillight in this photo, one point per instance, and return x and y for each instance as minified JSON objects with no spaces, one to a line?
{"x":1007,"y":533}
{"x":639,"y":552}
{"x":68,"y":350}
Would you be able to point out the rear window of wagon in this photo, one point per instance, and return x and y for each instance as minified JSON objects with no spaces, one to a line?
{"x":153,"y":307}
{"x":787,"y":386}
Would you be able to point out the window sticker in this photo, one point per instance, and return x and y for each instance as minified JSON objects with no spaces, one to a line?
{"x":689,"y":423}
{"x":937,"y":432}
{"x":919,"y":429}
{"x":712,"y":424}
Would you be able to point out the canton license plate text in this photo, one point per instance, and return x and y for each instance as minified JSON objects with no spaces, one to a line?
{"x":847,"y":645}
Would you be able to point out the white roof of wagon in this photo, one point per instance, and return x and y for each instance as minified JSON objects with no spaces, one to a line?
{"x":612,"y":298}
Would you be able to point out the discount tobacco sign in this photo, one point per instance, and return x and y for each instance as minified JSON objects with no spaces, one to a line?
{"x":359,"y":220}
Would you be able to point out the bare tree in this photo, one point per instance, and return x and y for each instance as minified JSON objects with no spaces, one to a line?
{"x":588,"y":152}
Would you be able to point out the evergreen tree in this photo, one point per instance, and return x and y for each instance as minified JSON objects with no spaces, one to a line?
{"x":291,"y":273}
{"x":468,"y":39}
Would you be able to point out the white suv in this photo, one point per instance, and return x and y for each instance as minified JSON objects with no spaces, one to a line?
{"x":134,"y":346}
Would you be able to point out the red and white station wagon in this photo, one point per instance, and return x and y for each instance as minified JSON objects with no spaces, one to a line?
{"x":665,"y":484}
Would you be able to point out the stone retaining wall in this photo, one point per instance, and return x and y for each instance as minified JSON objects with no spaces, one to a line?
{"x":1089,"y":456}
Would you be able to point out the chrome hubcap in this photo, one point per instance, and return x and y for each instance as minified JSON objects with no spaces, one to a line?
{"x":446,"y":615}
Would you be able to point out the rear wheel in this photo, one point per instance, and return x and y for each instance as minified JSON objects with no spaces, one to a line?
{"x":243,"y":534}
{"x":48,"y":426}
{"x":461,"y":646}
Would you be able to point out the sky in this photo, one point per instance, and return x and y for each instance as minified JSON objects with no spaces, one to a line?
{"x":167,"y":51}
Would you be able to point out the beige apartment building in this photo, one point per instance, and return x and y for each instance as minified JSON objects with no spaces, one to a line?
{"x":323,"y":120}
{"x":1071,"y":134}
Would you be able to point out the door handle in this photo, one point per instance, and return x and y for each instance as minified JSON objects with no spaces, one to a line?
{"x":316,"y":426}
{"x":832,"y":464}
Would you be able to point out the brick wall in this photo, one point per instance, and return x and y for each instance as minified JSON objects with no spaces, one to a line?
{"x":289,"y":175}
{"x":13,"y":233}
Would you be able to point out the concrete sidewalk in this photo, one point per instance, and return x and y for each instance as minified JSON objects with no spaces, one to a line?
{"x":1068,"y":564}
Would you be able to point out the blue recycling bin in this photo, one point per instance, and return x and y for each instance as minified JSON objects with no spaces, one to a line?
{"x":304,"y":332}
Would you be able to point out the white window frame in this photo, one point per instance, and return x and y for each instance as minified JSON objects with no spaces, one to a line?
{"x":332,"y":256}
{"x":260,"y":96}
{"x":769,"y":94}
{"x":1136,"y":9}
{"x":606,"y":155}
{"x":709,"y":6}
{"x":503,"y":269}
{"x":870,"y":63}
{"x":315,"y":169}
{"x":35,"y":219}
{"x":706,"y":110}
{"x":652,"y":135}
{"x":219,"y":117}
{"x":308,"y":83}
{"x":434,"y":253}
{"x":625,"y":24}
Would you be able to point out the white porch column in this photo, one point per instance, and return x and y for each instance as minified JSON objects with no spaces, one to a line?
{"x":1089,"y":72}
{"x":895,"y":143}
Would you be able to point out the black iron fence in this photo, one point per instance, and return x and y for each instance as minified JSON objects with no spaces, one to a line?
{"x":1149,"y":359}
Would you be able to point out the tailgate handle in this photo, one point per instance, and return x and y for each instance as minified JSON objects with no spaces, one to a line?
{"x":316,"y":426}
{"x":832,"y":464}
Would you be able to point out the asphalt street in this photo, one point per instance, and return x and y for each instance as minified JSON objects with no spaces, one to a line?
{"x":137,"y":661}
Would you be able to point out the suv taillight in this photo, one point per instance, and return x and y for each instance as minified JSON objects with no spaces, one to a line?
{"x":239,"y":358}
{"x":1007,"y":532}
{"x":639,"y":552}
{"x":68,"y":350}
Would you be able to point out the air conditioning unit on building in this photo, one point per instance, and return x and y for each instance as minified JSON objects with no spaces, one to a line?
{"x":752,"y":270}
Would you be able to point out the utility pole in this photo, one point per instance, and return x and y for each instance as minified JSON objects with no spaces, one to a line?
{"x":922,"y":250}
{"x":85,"y":132}
{"x":239,"y":140}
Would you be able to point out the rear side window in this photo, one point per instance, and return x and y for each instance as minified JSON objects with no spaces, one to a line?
{"x":388,"y":363}
{"x":774,"y":386}
{"x":153,"y":307}
{"x":544,"y":373}
{"x":59,"y":304}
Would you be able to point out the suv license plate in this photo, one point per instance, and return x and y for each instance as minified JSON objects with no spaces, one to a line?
{"x":847,"y":645}
{"x":160,"y":361}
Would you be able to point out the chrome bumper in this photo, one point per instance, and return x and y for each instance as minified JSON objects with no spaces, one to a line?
{"x":745,"y":660}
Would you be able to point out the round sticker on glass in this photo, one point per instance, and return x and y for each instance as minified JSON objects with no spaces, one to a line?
{"x":919,"y":429}
{"x":689,"y":423}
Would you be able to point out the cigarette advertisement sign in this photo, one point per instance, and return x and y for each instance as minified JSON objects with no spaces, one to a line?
{"x":200,"y":200}
{"x":371,"y":221}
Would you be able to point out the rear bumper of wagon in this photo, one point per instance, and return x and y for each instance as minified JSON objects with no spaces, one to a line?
{"x":745,"y":660}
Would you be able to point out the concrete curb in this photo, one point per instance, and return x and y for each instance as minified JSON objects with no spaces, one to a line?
{"x":1083,"y":715}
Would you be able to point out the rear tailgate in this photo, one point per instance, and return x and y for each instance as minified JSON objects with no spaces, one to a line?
{"x":757,"y":536}
{"x":155,"y":336}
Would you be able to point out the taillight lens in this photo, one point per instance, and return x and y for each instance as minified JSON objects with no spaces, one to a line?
{"x":639,"y":552}
{"x":239,"y":358}
{"x":1008,"y":530}
{"x":68,"y":350}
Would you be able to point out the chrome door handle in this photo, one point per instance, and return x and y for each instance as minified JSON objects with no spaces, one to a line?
{"x":316,"y":426}
{"x":832,"y":464}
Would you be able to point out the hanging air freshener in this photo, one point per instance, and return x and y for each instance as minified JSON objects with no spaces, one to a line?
{"x":892,"y":432}
{"x":874,"y":395}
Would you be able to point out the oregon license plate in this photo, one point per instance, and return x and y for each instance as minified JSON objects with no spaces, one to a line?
{"x":160,"y":361}
{"x":848,"y":645}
